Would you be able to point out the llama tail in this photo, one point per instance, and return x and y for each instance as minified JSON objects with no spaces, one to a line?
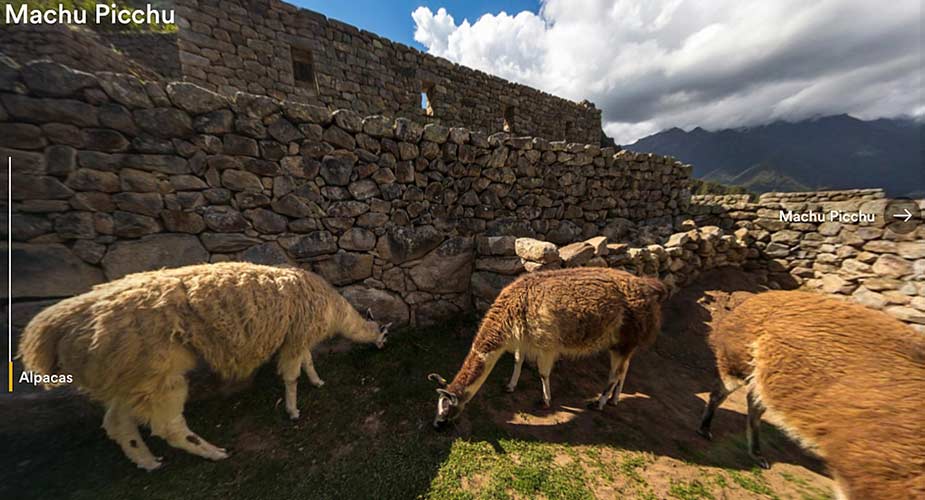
{"x":38,"y":346}
{"x":657,"y":289}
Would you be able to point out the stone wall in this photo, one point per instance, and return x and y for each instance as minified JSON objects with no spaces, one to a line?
{"x":235,"y":45}
{"x":112,"y":175}
{"x":76,"y":47}
{"x":868,"y":263}
{"x":155,"y":51}
{"x":677,"y":261}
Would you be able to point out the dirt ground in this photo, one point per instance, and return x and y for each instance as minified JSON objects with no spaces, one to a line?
{"x":366,"y":433}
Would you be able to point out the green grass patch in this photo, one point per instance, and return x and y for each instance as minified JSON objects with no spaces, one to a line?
{"x":693,"y":490}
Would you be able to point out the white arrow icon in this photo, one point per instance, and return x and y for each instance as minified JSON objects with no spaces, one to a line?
{"x":905,"y":217}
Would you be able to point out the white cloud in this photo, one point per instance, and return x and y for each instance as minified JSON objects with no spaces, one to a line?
{"x":655,"y":64}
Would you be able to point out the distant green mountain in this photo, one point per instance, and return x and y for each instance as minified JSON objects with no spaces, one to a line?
{"x":759,"y":179}
{"x":833,"y":152}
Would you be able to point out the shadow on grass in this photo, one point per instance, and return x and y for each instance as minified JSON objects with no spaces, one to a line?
{"x":367,"y":434}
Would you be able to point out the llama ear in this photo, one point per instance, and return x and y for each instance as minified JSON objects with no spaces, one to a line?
{"x":435,"y":377}
{"x":454,"y":399}
{"x":369,"y":314}
{"x":385,"y":327}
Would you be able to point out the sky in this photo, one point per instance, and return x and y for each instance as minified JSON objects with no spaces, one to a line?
{"x":656,"y":64}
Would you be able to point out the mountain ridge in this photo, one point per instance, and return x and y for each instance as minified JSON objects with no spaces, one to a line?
{"x":825,"y":152}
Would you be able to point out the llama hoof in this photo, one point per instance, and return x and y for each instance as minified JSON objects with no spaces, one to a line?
{"x":761,"y":462}
{"x":219,"y":454}
{"x":543,"y":404}
{"x":293,"y":414}
{"x":509,"y":388}
{"x":706,"y":434}
{"x":151,"y":465}
{"x":319,"y":383}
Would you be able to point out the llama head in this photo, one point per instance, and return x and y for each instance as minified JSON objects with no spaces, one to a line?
{"x":449,"y":405}
{"x":380,"y":331}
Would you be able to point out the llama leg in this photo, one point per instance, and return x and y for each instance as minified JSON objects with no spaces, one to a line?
{"x":167,"y":421}
{"x":753,"y":427}
{"x":518,"y":364}
{"x":719,"y":394}
{"x":619,"y":364}
{"x":308,"y":364}
{"x":289,"y":369}
{"x":121,"y":428}
{"x":544,"y":364}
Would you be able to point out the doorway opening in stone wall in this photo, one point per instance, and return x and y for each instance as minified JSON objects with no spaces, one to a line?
{"x":569,"y":129}
{"x":509,"y":113}
{"x":303,"y":68}
{"x":427,"y":106}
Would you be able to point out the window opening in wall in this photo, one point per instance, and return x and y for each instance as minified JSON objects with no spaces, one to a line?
{"x":303,"y":67}
{"x":508,"y":119}
{"x":569,"y":128}
{"x":426,"y":102}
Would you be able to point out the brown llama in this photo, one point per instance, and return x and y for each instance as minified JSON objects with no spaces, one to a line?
{"x":845,"y":381}
{"x":545,"y":315}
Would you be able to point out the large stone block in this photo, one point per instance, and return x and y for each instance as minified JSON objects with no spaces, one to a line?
{"x":386,"y":307}
{"x":402,"y":244}
{"x":44,"y":271}
{"x":153,"y":252}
{"x":346,"y":267}
{"x":446,"y":269}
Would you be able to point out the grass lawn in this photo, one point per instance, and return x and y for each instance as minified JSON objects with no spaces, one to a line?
{"x":367,"y":434}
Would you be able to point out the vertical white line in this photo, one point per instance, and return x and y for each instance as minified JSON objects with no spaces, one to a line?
{"x":9,"y":270}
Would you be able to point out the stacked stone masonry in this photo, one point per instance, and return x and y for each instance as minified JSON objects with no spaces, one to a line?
{"x":113,"y":175}
{"x":254,"y":46}
{"x":868,"y":263}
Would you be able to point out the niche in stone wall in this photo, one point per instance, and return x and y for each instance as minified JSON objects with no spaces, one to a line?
{"x":569,"y":129}
{"x":303,"y":68}
{"x":509,"y":114}
{"x":427,"y":104}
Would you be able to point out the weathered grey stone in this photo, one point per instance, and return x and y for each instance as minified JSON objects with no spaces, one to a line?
{"x":911,"y":249}
{"x":131,"y":225}
{"x":576,"y":254}
{"x":311,"y":245}
{"x":834,"y":284}
{"x":386,"y":307}
{"x":75,"y":226}
{"x":345,"y":267}
{"x":402,"y":244}
{"x":26,"y":226}
{"x":434,"y":312}
{"x":500,"y":265}
{"x":227,"y":242}
{"x":447,"y":268}
{"x":53,"y":79}
{"x":124,"y":89}
{"x":89,"y":251}
{"x":153,"y":252}
{"x":149,"y":204}
{"x":86,"y":179}
{"x":255,"y":106}
{"x":240,"y":180}
{"x":536,"y":251}
{"x":181,"y":221}
{"x":21,"y":136}
{"x":296,"y":206}
{"x":407,"y":130}
{"x":195,"y":99}
{"x":339,"y":138}
{"x":165,"y":123}
{"x":266,"y":221}
{"x":224,"y":220}
{"x":363,"y":189}
{"x":50,"y":271}
{"x":269,"y":254}
{"x":284,"y":132}
{"x":337,"y":169}
{"x":892,"y":266}
{"x":358,"y":239}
